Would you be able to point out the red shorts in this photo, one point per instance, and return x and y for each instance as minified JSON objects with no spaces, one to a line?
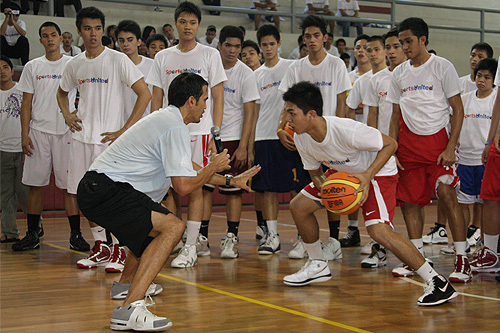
{"x":380,"y":205}
{"x":418,"y":156}
{"x":490,"y":188}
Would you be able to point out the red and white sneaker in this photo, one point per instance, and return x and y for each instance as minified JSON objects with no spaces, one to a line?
{"x":117,"y":261}
{"x":462,"y":273}
{"x":485,"y":261}
{"x":99,"y":256}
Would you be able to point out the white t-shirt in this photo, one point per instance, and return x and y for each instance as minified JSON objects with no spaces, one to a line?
{"x":11,"y":35}
{"x":271,"y":99}
{"x":100,"y":81}
{"x":203,"y":40}
{"x":376,"y":95}
{"x":75,"y":50}
{"x":10,"y":120}
{"x":41,"y":78}
{"x":295,"y":54}
{"x":475,"y":128}
{"x":349,"y":7}
{"x":348,"y":146}
{"x":333,"y":51}
{"x":330,"y":76}
{"x":353,"y":76}
{"x":240,"y":88}
{"x":264,"y":2}
{"x":422,"y":94}
{"x":467,"y":85}
{"x":154,"y":149}
{"x":202,"y":60}
{"x":316,"y":4}
{"x":357,"y":94}
{"x":130,"y":96}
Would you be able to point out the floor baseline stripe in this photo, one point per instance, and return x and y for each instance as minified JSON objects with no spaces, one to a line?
{"x":269,"y":305}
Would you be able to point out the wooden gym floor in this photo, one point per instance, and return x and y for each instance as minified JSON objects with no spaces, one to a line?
{"x":43,"y":291}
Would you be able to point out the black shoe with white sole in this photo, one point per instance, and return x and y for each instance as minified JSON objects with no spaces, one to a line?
{"x":437,"y":291}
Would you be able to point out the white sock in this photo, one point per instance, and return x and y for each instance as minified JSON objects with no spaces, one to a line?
{"x":273,"y":226}
{"x":352,"y":223}
{"x":426,"y":271}
{"x":114,"y":239}
{"x":491,"y":242}
{"x":99,"y":233}
{"x":460,"y":247}
{"x":193,"y":229}
{"x":314,"y":250}
{"x":419,"y":244}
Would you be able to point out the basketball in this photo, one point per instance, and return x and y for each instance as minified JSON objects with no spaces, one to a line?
{"x":337,"y":193}
{"x":289,"y":129}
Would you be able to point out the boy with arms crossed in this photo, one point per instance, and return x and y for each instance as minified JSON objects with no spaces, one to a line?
{"x":45,"y":137}
{"x":366,"y":153}
{"x":279,"y":163}
{"x":190,"y":56}
{"x":240,"y":94}
{"x":100,"y":74}
{"x":330,"y":75}
{"x":422,"y":91}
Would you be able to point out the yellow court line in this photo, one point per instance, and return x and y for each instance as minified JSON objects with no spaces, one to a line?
{"x":243,"y":298}
{"x":272,"y":306}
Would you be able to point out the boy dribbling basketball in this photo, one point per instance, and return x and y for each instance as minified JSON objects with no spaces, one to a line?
{"x":346,"y":145}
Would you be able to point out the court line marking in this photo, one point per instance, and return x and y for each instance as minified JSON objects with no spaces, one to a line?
{"x":243,"y":298}
{"x":463,"y":294}
{"x":269,"y":305}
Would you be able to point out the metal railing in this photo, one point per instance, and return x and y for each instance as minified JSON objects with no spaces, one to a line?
{"x":295,"y":14}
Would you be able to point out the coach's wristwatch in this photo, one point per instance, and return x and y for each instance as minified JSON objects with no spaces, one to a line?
{"x":228,"y":179}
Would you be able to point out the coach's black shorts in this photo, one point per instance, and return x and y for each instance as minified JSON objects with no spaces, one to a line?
{"x":119,"y":208}
{"x":282,"y":169}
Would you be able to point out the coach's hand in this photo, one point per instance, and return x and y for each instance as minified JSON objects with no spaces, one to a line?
{"x":111,"y":136}
{"x":27,"y":145}
{"x":287,"y":140}
{"x":447,"y":157}
{"x":242,"y":179}
{"x":72,"y":121}
{"x":221,"y":161}
{"x":364,"y":185}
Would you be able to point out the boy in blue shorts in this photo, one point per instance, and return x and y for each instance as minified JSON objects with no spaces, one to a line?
{"x":478,"y":107}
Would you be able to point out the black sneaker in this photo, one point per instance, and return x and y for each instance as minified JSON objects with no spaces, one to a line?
{"x":29,"y":242}
{"x":437,"y":291}
{"x":351,"y":239}
{"x":76,"y":241}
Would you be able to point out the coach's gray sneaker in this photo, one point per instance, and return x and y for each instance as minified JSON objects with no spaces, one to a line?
{"x":120,"y":290}
{"x":137,"y":317}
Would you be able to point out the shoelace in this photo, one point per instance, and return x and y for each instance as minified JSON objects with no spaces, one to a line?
{"x":429,"y":288}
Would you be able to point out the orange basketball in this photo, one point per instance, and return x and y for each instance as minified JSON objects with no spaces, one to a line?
{"x":337,"y":193}
{"x":289,"y":130}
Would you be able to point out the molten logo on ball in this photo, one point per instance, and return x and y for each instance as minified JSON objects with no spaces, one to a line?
{"x":338,"y":193}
